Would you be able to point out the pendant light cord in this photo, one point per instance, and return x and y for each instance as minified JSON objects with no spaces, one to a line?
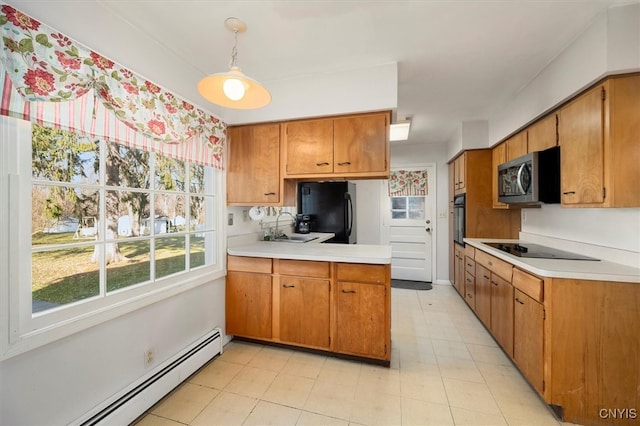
{"x":234,"y":51}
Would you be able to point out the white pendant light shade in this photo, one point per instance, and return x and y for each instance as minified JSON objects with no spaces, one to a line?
{"x":233,"y":89}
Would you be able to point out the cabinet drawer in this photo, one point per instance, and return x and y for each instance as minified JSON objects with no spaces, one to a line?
{"x":304,"y":268}
{"x":469,"y":251}
{"x":528,"y":284}
{"x":495,"y":265}
{"x":360,"y":272}
{"x":470,"y":266}
{"x":249,"y":264}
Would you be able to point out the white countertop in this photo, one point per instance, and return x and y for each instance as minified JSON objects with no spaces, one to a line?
{"x":350,"y":253}
{"x":560,"y":268}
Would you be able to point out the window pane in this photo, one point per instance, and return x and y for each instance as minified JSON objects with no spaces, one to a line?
{"x":170,"y":174}
{"x":398,"y":214}
{"x":135,"y":270}
{"x":398,"y":203}
{"x":416,"y":214}
{"x":133,"y":166}
{"x":416,"y":203}
{"x":197,"y":179}
{"x":62,"y":156}
{"x":170,"y":210}
{"x":197,"y":249}
{"x":63,"y":276}
{"x":63,"y":214}
{"x":128,"y":211}
{"x":170,"y":255}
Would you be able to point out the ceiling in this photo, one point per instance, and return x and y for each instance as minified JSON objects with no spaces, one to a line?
{"x":457,"y":60}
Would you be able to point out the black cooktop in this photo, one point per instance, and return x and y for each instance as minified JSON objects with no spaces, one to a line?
{"x":537,"y":251}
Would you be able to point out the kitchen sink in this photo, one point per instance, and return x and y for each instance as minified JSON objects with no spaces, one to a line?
{"x":295,"y":239}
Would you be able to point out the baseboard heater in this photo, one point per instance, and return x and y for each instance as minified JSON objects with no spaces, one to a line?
{"x":134,"y":400}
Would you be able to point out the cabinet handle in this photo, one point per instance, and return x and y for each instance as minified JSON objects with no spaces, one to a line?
{"x":569,"y":193}
{"x":348,"y":291}
{"x":519,"y":301}
{"x":485,"y":277}
{"x":469,"y":264}
{"x":269,"y":193}
{"x":494,"y":283}
{"x":288,"y":286}
{"x":490,"y":264}
{"x":345,"y":163}
{"x":322,"y":164}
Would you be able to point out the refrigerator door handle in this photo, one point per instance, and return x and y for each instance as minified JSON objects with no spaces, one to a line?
{"x":350,"y":214}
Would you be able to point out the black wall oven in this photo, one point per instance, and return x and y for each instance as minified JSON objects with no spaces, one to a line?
{"x":458,"y":219}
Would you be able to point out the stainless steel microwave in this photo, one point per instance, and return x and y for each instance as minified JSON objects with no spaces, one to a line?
{"x":532,"y":179}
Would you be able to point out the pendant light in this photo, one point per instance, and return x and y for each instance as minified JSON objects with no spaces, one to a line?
{"x":233,"y":89}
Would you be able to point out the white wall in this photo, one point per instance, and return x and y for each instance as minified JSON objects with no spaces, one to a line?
{"x":56,"y":383}
{"x":324,"y":94}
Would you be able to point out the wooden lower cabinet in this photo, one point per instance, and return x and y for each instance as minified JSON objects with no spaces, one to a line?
{"x":483,"y":294}
{"x":248,"y":304}
{"x":502,"y":312}
{"x":360,"y":319}
{"x":459,"y":273}
{"x":576,"y":341}
{"x":331,"y":306}
{"x":528,"y":338}
{"x":470,"y":282}
{"x":305,"y":311}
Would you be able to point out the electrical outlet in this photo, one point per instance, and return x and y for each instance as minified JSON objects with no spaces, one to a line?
{"x":230,"y":219}
{"x":148,"y":357}
{"x":524,"y":215}
{"x":245,"y":215}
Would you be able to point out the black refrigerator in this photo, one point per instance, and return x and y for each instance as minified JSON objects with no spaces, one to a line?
{"x":331,"y":206}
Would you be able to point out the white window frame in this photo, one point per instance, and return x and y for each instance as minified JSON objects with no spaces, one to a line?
{"x":20,"y":330}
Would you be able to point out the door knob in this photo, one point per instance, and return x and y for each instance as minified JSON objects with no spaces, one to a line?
{"x":427,"y":229}
{"x":428,"y":221}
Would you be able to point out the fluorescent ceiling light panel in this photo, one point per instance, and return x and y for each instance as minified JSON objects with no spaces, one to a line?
{"x":399,"y":131}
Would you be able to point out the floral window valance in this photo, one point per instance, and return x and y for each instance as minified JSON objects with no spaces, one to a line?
{"x":59,"y":79}
{"x":406,"y":183}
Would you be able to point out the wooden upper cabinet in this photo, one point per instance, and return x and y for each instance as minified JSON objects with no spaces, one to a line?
{"x":355,"y":146}
{"x":598,"y":136}
{"x":581,"y":129}
{"x":460,"y":173}
{"x":516,"y":146}
{"x":360,"y":144}
{"x":309,"y":147}
{"x":253,"y":169}
{"x":543,"y":134}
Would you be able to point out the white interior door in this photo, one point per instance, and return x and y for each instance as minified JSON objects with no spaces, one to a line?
{"x":408,"y":228}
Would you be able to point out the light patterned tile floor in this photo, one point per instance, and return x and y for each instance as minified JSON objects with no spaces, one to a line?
{"x":446,"y":369}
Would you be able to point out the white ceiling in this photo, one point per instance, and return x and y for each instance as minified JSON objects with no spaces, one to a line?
{"x":457,"y":60}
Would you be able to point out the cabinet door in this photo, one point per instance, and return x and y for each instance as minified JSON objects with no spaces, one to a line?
{"x":253,"y":172}
{"x":309,"y":147}
{"x":502,"y":312}
{"x":580,"y":132}
{"x":361,"y":319}
{"x":248,"y":304}
{"x":460,"y":172}
{"x":483,"y":294}
{"x":470,"y":290}
{"x":360,"y":144}
{"x":498,"y":156}
{"x":304,"y":311}
{"x":516,"y":146}
{"x":458,"y":273}
{"x":543,"y":134}
{"x":528,"y":338}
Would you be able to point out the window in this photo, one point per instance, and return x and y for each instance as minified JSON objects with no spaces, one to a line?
{"x":407,"y":207}
{"x":109,"y":224}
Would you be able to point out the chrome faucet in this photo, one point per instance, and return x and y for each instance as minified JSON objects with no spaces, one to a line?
{"x":277,"y":232}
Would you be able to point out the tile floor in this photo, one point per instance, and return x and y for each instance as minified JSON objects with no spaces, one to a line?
{"x":445,"y":370}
